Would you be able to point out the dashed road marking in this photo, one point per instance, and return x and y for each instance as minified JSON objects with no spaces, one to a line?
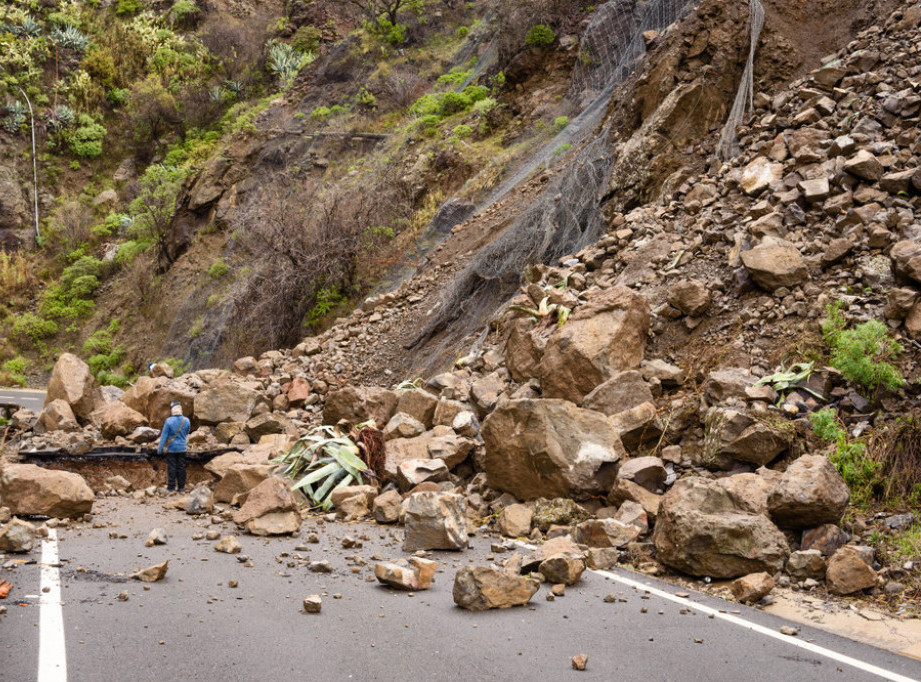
{"x":52,"y":653}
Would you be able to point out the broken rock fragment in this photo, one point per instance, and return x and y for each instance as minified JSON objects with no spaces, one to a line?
{"x":752,"y":587}
{"x":17,"y":537}
{"x":435,"y":521}
{"x":562,"y":569}
{"x":229,"y":545}
{"x":153,"y":573}
{"x":417,"y":574}
{"x":479,"y":588}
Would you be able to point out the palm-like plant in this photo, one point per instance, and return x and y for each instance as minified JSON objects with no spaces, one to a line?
{"x":322,"y":462}
{"x":285,"y":62}
{"x":70,"y":37}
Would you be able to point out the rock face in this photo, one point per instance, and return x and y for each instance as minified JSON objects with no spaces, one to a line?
{"x":14,"y":209}
{"x":479,"y":588}
{"x":810,"y":492}
{"x":28,"y":489}
{"x":847,"y":572}
{"x":357,"y":404}
{"x":435,"y":521}
{"x":72,"y":382}
{"x":775,"y":264}
{"x":550,"y":448}
{"x":603,"y":336}
{"x":704,"y":530}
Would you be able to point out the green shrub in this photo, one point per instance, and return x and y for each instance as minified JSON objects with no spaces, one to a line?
{"x":540,"y":36}
{"x":862,"y":354}
{"x":218,"y":269}
{"x":68,"y":298}
{"x":129,"y":250}
{"x":462,"y":32}
{"x":389,"y":32}
{"x":320,"y":113}
{"x":454,"y":77}
{"x":325,"y":299}
{"x":861,"y":473}
{"x":561,"y":122}
{"x":31,"y":326}
{"x":307,"y":39}
{"x":286,"y":62}
{"x":445,"y":104}
{"x":366,"y":98}
{"x":15,"y":370}
{"x":86,"y":139}
{"x":462,"y":131}
{"x":105,"y":355}
{"x":183,"y":12}
{"x":180,"y":367}
{"x":127,"y":6}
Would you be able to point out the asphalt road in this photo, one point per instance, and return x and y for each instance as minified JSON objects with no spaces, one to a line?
{"x":34,"y":400}
{"x":193,"y":625}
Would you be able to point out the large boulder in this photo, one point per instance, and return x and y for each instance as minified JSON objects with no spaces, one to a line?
{"x":811,"y":492}
{"x":162,"y":398}
{"x":848,"y":572}
{"x":906,"y":260}
{"x":478,"y":588}
{"x":72,"y":382}
{"x":550,"y":448}
{"x":138,"y":396}
{"x":57,"y":416}
{"x":356,"y":404}
{"x":226,"y":402}
{"x":435,"y":521}
{"x":733,"y":435}
{"x":240,"y":479}
{"x":272,"y":495}
{"x":28,"y":489}
{"x":605,"y":335}
{"x":117,"y":419}
{"x":775,"y":263}
{"x":524,"y":348}
{"x":418,"y":404}
{"x":703,"y":529}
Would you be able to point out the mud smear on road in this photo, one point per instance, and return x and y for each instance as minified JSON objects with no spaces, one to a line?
{"x":88,"y":574}
{"x":862,"y":624}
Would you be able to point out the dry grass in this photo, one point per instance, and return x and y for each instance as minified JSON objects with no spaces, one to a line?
{"x":17,"y":275}
{"x":897,"y":448}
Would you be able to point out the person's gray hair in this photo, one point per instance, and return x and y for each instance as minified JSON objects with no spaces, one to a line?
{"x":176,"y":408}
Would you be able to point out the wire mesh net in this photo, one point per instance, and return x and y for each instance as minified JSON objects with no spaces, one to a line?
{"x":728,"y":146}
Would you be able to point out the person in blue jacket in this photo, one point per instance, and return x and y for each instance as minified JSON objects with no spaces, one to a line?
{"x":173,"y":440}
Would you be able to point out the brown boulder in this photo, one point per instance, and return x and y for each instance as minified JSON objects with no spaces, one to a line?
{"x":72,"y":382}
{"x":138,"y":396}
{"x":810,"y":492}
{"x":847,"y":572}
{"x":272,"y":495}
{"x":418,"y":404}
{"x":515,"y":520}
{"x":435,"y":521}
{"x":356,"y":404}
{"x":605,"y":533}
{"x":240,"y":479}
{"x":57,"y":416}
{"x":827,"y":539}
{"x":605,"y":335}
{"x":225,"y":402}
{"x":906,"y":260}
{"x":28,"y":489}
{"x":478,"y":588}
{"x":775,"y":263}
{"x":702,"y":530}
{"x":690,"y":296}
{"x":117,"y":419}
{"x":550,"y":448}
{"x":562,"y":569}
{"x":752,"y":587}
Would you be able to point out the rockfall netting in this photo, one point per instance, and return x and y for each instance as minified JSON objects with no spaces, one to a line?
{"x":728,"y":145}
{"x":563,"y":218}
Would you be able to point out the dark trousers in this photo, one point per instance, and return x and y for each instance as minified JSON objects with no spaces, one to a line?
{"x":175,"y":470}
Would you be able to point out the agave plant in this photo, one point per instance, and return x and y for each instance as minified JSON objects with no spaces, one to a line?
{"x":789,"y":378}
{"x":70,"y":37}
{"x":285,"y":62}
{"x":323,"y":461}
{"x":545,"y":310}
{"x":61,"y":117}
{"x":29,"y":28}
{"x":15,"y":116}
{"x":236,"y":87}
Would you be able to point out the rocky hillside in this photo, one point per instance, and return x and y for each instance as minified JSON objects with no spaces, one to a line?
{"x":721,"y":382}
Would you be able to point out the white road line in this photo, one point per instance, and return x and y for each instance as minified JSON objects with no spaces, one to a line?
{"x":52,"y":654}
{"x":754,"y":627}
{"x":760,"y":629}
